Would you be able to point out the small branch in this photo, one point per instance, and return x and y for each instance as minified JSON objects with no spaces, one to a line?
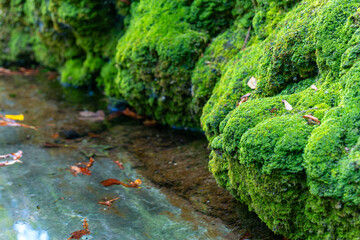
{"x":246,"y":39}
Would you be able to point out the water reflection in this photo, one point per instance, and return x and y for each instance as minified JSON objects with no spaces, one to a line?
{"x":26,"y":232}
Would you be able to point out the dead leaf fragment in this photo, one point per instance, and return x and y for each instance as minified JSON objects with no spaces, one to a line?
{"x":287,"y":105}
{"x":314,"y":87}
{"x":75,"y":170}
{"x":97,"y":116}
{"x":112,"y":181}
{"x":244,"y":99}
{"x":252,"y":83}
{"x":80,"y":233}
{"x":150,"y":123}
{"x":12,"y":123}
{"x":129,"y":113}
{"x":109,"y":202}
{"x":119,"y":164}
{"x":312,"y":118}
{"x":15,"y":158}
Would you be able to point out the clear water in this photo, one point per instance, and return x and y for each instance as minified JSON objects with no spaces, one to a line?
{"x":41,"y":200}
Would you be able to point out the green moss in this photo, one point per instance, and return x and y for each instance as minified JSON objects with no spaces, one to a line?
{"x":301,"y":178}
{"x":181,"y":61}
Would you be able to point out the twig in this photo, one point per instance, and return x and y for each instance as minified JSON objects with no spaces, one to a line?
{"x":246,"y":39}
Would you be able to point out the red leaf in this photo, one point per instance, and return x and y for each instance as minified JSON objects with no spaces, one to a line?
{"x":112,"y":181}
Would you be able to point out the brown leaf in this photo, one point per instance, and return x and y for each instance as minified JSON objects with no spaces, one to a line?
{"x":112,"y":181}
{"x":252,"y":83}
{"x":244,"y":99}
{"x":75,"y":170}
{"x":273,"y":110}
{"x":314,"y":87}
{"x":148,"y":122}
{"x":287,"y":105}
{"x":129,"y":113}
{"x":80,"y":233}
{"x":312,"y":118}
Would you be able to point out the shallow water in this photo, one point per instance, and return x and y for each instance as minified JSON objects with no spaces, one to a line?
{"x":41,"y":199}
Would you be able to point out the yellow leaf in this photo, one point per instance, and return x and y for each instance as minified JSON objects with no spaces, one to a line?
{"x":18,"y":117}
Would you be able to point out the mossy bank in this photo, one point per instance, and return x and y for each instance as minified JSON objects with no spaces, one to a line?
{"x":188,"y":62}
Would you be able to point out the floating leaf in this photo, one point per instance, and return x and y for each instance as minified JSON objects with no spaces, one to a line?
{"x":314,"y":87}
{"x":80,"y":233}
{"x":15,"y":158}
{"x":109,"y":202}
{"x":111,"y":181}
{"x":287,"y":105}
{"x":75,"y":170}
{"x":11,"y":123}
{"x":312,"y":118}
{"x":252,"y":83}
{"x":120,"y":165}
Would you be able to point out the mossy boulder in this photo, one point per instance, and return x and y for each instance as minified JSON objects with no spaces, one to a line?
{"x":302,"y":178}
{"x":188,"y":62}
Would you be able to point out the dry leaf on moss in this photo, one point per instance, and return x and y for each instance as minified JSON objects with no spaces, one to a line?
{"x":287,"y":105}
{"x":252,"y":83}
{"x":314,"y":87}
{"x":312,"y":118}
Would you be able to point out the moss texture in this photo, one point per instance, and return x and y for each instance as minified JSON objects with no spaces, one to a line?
{"x":187,"y":63}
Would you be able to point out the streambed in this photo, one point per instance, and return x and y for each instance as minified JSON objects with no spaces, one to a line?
{"x":41,"y":199}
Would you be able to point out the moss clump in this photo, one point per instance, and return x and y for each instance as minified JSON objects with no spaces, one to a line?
{"x":158,"y":53}
{"x":301,"y":178}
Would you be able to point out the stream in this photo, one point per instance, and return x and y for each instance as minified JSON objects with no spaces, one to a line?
{"x":41,"y":200}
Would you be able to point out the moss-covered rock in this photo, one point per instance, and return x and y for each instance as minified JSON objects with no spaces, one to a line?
{"x":301,"y":178}
{"x":188,"y":62}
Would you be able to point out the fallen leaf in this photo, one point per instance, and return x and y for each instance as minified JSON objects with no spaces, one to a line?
{"x":273,"y":110}
{"x":287,"y":105}
{"x":120,"y":165}
{"x":312,"y":118}
{"x":314,"y":87}
{"x":55,"y":135}
{"x":53,"y":145}
{"x":93,"y":135}
{"x":75,"y":170}
{"x":148,"y":122}
{"x":129,"y":113}
{"x":80,"y":233}
{"x":18,"y":117}
{"x":109,"y":202}
{"x":12,"y":123}
{"x":252,"y":83}
{"x":244,"y":99}
{"x":97,"y":116}
{"x":15,"y":158}
{"x":111,"y":181}
{"x":114,"y":115}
